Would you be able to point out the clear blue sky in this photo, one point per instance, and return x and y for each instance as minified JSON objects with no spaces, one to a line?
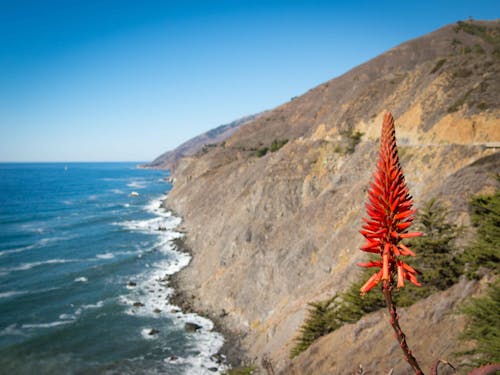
{"x":97,"y":80}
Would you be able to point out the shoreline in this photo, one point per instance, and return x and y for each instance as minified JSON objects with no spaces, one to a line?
{"x":231,"y":349}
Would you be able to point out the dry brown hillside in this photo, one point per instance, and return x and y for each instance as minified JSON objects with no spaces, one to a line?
{"x":272,"y":231}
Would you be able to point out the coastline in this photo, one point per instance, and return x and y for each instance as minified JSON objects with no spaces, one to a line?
{"x":231,"y":351}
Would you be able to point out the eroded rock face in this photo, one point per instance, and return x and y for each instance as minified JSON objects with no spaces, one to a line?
{"x":271,"y":233}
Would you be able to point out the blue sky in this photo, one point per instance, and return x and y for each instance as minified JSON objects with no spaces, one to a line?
{"x":124,"y":80}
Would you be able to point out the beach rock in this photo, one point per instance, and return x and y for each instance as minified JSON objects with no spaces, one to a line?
{"x":138,"y":304}
{"x":153,"y":332}
{"x":132,"y":284}
{"x":217,"y":358}
{"x":191,"y":327}
{"x":173,"y":358}
{"x":213,"y":369}
{"x":157,"y":311}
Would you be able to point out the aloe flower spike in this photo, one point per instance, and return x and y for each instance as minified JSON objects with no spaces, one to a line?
{"x":390,"y":214}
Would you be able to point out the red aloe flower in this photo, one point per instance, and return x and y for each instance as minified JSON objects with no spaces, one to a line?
{"x":390,"y":214}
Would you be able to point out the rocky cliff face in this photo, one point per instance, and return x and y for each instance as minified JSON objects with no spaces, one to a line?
{"x":271,"y":233}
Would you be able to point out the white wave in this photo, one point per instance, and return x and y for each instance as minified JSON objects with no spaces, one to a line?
{"x":151,"y":292}
{"x":117,"y":191}
{"x":81,"y":279}
{"x":68,"y":202}
{"x":12,"y":293}
{"x":148,"y":334}
{"x":105,"y":256}
{"x":39,"y":244}
{"x":156,"y":207}
{"x":47,"y":325}
{"x":67,"y":316}
{"x":28,"y":266}
{"x":93,"y":306}
{"x":22,"y":292}
{"x":156,"y":225}
{"x":137,"y":184}
{"x":18,"y":250}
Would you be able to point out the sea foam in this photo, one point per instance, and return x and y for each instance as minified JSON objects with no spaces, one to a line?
{"x":150,"y":293}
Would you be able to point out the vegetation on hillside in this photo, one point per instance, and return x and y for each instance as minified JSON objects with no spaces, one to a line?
{"x":484,"y":325}
{"x":484,"y":253}
{"x":275,"y":146}
{"x":440,"y":261}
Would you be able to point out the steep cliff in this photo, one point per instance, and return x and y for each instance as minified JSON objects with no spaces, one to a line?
{"x":274,"y":228}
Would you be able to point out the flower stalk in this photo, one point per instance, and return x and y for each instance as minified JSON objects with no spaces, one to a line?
{"x":390,"y":214}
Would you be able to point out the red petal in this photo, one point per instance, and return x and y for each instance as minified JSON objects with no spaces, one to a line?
{"x":372,"y":281}
{"x":410,"y":235}
{"x":371,"y":264}
{"x":405,"y":250}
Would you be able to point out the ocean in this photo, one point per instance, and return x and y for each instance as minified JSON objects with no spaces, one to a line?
{"x":85,"y":254}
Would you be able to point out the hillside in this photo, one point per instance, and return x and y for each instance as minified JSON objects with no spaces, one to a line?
{"x":169,"y":159}
{"x":272,"y":214}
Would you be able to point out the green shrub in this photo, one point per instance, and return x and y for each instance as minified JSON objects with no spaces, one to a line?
{"x":262,"y":151}
{"x":277,"y":144}
{"x":490,"y":35}
{"x":484,"y":325}
{"x":485,"y":251}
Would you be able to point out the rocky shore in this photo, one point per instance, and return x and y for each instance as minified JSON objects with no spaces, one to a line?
{"x":232,"y":351}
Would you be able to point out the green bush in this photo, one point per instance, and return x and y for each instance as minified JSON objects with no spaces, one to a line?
{"x":485,"y":251}
{"x":490,"y":35}
{"x":484,"y":325}
{"x":277,"y":144}
{"x":262,"y":151}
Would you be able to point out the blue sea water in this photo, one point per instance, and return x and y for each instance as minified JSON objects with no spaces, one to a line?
{"x":84,"y":271}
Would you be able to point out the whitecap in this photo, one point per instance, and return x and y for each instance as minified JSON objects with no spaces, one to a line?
{"x":105,"y":256}
{"x":117,"y":191}
{"x":149,"y":334}
{"x":151,"y":293}
{"x":67,"y":316}
{"x":81,"y":279}
{"x":23,"y":292}
{"x":93,"y":306}
{"x":39,"y":244}
{"x":28,"y":266}
{"x":46,"y":325}
{"x":137,"y":184}
{"x":12,"y":293}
